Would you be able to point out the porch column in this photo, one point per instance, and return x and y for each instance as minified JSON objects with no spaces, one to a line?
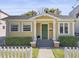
{"x":54,"y":30}
{"x":35,"y":38}
{"x":73,"y":28}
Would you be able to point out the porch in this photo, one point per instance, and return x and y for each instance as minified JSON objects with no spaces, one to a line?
{"x":45,"y":33}
{"x":45,"y":30}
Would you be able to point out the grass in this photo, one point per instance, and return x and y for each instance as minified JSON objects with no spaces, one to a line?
{"x":35,"y":52}
{"x":58,"y":53}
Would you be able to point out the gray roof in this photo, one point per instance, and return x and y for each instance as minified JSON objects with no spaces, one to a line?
{"x":17,"y":17}
{"x":27,"y":17}
{"x":63,"y":16}
{"x":4,"y":12}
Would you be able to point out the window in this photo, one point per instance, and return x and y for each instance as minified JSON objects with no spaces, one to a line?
{"x":61,"y":27}
{"x":26,"y":27}
{"x":77,"y":15}
{"x":3,"y":27}
{"x":14,"y":27}
{"x":66,"y":28}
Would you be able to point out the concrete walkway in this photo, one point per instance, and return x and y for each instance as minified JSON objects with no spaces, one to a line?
{"x":45,"y":53}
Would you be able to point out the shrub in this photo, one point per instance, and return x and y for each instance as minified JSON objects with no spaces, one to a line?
{"x":18,"y":41}
{"x":68,"y":41}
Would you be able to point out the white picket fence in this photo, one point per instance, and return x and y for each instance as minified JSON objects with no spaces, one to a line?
{"x":71,"y":52}
{"x":15,"y":52}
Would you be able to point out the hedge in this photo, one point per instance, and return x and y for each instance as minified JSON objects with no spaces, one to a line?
{"x":68,"y":41}
{"x":18,"y":41}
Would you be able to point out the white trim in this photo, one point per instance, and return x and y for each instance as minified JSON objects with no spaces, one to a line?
{"x":35,"y":36}
{"x":26,"y":24}
{"x":45,"y":15}
{"x":68,"y":28}
{"x":64,"y":28}
{"x":40,"y":31}
{"x":73,"y":26}
{"x":54,"y":30}
{"x":14,"y":24}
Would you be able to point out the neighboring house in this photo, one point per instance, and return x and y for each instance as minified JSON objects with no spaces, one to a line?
{"x":75,"y":13}
{"x":3,"y":23}
{"x":3,"y":14}
{"x":2,"y":26}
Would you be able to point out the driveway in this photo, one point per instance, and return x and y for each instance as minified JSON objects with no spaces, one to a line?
{"x":2,"y":40}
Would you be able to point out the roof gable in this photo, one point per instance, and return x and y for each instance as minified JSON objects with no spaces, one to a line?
{"x":4,"y":12}
{"x":43,"y":16}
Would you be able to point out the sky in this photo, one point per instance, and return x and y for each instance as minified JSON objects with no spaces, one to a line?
{"x":17,"y":7}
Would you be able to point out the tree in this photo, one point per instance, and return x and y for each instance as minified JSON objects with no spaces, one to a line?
{"x":57,"y":11}
{"x":31,"y":13}
{"x":53,"y":11}
{"x":46,"y":10}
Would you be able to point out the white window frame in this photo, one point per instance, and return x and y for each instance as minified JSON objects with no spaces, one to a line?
{"x":59,"y":28}
{"x":63,"y":28}
{"x":14,"y":24}
{"x":27,"y":24}
{"x":67,"y":26}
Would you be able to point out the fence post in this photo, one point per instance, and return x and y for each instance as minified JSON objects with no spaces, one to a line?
{"x":26,"y":52}
{"x":0,"y":52}
{"x":8,"y":52}
{"x":70,"y":50}
{"x":65,"y":52}
{"x":73,"y":52}
{"x":4,"y":52}
{"x":12,"y":52}
{"x":77,"y":51}
{"x":22,"y":52}
{"x":18,"y":52}
{"x":31,"y":52}
{"x":15,"y":52}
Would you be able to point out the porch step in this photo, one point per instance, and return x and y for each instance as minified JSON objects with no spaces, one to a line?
{"x":44,"y":43}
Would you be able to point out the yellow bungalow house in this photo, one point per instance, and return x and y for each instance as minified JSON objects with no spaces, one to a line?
{"x":46,"y":26}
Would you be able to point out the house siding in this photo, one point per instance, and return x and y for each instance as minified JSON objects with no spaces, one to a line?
{"x":39,"y":21}
{"x":20,"y":33}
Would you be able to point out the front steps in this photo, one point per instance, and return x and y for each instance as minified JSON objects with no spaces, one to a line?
{"x":44,"y":43}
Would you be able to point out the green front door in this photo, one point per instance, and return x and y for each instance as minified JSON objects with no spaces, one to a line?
{"x":44,"y":31}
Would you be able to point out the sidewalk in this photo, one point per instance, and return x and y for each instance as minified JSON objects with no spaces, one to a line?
{"x":45,"y":53}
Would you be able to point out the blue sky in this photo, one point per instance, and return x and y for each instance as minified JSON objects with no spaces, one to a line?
{"x":15,"y":7}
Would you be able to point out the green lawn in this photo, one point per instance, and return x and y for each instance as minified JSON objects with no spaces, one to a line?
{"x":58,"y":53}
{"x":35,"y":52}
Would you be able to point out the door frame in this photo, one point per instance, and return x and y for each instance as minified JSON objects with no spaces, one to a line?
{"x":41,"y":30}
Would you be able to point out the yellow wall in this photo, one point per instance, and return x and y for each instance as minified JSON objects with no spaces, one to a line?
{"x":39,"y":20}
{"x":50,"y":30}
{"x":38,"y":28}
{"x":44,"y":17}
{"x":20,"y":33}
